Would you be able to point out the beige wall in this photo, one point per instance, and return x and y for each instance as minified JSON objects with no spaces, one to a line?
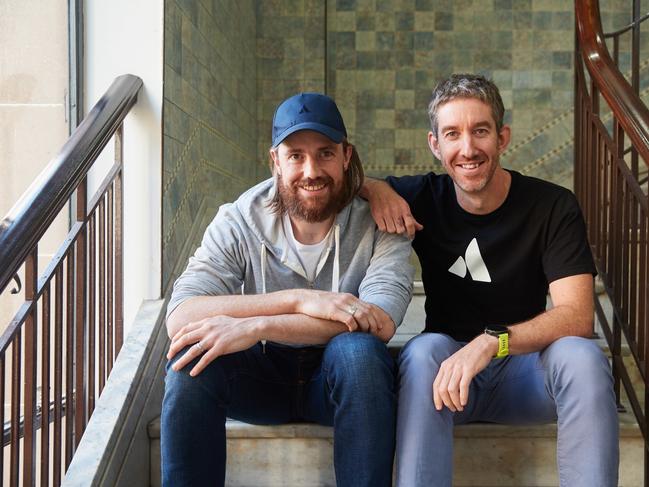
{"x":123,"y":36}
{"x":33,"y":86}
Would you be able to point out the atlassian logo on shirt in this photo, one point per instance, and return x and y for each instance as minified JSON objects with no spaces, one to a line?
{"x":473,"y":262}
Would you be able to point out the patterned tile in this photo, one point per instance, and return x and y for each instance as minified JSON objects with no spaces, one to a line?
{"x":228,"y":64}
{"x":210,"y":75}
{"x":520,"y":44}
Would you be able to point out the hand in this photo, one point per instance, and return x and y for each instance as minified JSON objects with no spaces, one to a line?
{"x":451,"y":386}
{"x":343,"y":307}
{"x":389,"y":210}
{"x":211,"y":338}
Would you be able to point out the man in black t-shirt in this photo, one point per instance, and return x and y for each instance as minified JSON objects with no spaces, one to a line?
{"x":491,"y":243}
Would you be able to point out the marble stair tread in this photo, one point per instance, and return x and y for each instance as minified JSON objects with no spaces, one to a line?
{"x":236,"y":429}
{"x":301,"y":455}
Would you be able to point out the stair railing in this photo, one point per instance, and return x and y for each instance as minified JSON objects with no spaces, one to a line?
{"x":612,"y":191}
{"x":61,"y":343}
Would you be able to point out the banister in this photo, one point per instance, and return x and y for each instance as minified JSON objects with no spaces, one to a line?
{"x":627,"y":106}
{"x":627,"y":27}
{"x":30,"y":217}
{"x":611,"y":190}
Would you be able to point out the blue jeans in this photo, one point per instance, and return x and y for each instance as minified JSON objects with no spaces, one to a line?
{"x":349,"y":384}
{"x":569,"y":382}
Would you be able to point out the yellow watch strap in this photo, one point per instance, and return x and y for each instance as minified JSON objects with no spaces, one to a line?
{"x":503,"y":345}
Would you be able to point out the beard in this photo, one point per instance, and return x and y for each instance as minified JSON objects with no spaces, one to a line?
{"x":312,"y":209}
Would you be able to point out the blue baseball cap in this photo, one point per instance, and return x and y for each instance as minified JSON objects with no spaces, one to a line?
{"x":308,"y":111}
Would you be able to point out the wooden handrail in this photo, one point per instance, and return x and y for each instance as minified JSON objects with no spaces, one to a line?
{"x":30,"y":217}
{"x":627,"y":106}
{"x":612,"y":193}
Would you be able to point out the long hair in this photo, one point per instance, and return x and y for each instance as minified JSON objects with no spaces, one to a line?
{"x":353,"y":180}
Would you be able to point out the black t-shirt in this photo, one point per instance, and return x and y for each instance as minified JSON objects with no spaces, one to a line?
{"x":493,"y":269}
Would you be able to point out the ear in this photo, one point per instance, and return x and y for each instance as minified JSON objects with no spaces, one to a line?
{"x":504,"y":137}
{"x":433,"y":143}
{"x":349,"y":150}
{"x":275,"y":157}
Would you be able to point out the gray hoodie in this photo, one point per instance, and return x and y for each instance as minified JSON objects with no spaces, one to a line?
{"x":244,"y":250}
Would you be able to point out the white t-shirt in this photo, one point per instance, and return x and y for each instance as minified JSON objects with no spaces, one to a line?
{"x":308,"y":254}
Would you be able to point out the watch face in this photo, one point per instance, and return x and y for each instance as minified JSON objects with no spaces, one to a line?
{"x":496,"y":330}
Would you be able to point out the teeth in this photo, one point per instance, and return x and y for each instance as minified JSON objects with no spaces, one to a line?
{"x":313,"y":188}
{"x":469,"y":166}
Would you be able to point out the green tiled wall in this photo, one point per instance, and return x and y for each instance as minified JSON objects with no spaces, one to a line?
{"x":209,"y":114}
{"x":385,"y":56}
{"x":228,"y":64}
{"x":291,"y":36}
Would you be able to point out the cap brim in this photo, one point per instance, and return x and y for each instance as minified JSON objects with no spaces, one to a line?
{"x":333,"y":134}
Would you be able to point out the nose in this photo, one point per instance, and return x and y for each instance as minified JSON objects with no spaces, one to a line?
{"x":468,"y":147}
{"x":311,"y":169}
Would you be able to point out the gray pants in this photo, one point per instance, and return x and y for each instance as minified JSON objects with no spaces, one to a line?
{"x":568,"y":382}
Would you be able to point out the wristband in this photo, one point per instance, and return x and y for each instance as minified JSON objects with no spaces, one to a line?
{"x":502,"y":333}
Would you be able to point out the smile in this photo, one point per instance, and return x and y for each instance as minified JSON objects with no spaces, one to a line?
{"x":313,"y":187}
{"x":470,"y":165}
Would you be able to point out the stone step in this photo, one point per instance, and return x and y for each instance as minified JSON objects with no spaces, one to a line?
{"x":300,"y":455}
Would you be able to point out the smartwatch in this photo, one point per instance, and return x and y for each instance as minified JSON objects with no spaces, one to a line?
{"x":502,"y":334}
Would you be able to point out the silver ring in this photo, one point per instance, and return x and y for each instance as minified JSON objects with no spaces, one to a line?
{"x":352,"y":309}
{"x":199,"y":346}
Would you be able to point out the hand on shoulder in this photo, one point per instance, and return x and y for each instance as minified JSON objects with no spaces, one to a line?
{"x":390,"y":211}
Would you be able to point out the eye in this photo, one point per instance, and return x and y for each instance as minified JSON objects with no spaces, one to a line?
{"x":294,"y":157}
{"x":481,"y":132}
{"x":327,"y":154}
{"x":452,"y":134}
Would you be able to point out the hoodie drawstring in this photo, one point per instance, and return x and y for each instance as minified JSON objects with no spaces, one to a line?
{"x":336,"y":271}
{"x":263,"y":285}
{"x":263,"y":268}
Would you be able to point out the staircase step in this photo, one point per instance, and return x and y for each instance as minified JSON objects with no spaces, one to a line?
{"x":301,"y":455}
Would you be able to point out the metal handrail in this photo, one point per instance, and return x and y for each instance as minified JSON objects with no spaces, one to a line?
{"x":627,"y":106}
{"x":627,"y":27}
{"x":30,"y":217}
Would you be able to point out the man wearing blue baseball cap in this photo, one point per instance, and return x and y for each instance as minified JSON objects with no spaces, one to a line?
{"x":283,"y":312}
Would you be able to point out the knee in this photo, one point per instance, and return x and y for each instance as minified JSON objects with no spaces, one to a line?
{"x":358,"y":356}
{"x":356,"y":348}
{"x":180,"y":386}
{"x":575,"y":361}
{"x":426,"y":352}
